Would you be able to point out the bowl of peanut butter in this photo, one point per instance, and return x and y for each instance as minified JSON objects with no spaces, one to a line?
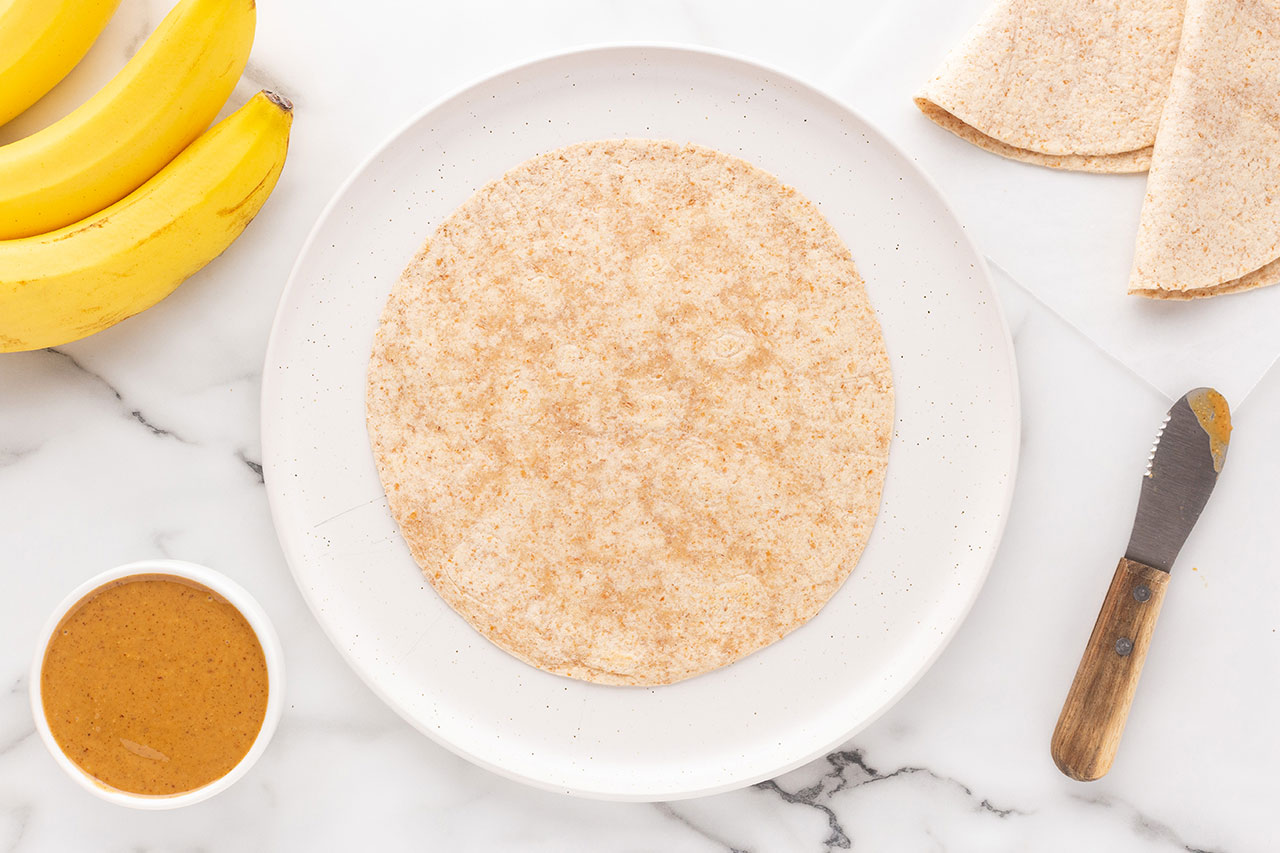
{"x":157,"y":684}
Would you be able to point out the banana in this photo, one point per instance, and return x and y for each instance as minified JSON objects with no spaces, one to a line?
{"x":40,"y":42}
{"x":165,"y":96}
{"x":64,"y":285}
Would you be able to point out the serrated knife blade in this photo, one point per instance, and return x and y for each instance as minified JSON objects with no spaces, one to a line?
{"x":1182,"y":469}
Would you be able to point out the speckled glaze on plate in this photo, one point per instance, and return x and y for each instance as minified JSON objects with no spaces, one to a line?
{"x":951,"y":467}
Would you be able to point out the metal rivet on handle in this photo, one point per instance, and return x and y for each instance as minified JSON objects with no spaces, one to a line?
{"x":1123,"y":646}
{"x":1141,"y":592}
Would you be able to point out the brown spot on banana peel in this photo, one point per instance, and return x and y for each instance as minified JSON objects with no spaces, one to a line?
{"x":1211,"y":410}
{"x":249,"y":197}
{"x":106,"y":320}
{"x":118,"y":208}
{"x":97,"y":223}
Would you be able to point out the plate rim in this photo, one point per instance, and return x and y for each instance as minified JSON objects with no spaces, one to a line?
{"x":269,"y":453}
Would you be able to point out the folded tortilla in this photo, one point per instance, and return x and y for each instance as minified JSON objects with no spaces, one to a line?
{"x":1211,"y":218}
{"x":1069,"y":84}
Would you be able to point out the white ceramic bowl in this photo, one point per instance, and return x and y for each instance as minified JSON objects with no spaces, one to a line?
{"x":253,"y":613}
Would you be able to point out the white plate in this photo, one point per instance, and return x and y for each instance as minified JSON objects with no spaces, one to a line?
{"x":951,"y":467}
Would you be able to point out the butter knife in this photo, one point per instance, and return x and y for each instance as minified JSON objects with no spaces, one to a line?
{"x":1182,"y":469}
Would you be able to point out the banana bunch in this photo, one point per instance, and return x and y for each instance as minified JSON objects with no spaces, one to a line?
{"x":105,"y":212}
{"x":40,"y":42}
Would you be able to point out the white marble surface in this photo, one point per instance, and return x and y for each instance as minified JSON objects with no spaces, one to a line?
{"x":143,"y":441}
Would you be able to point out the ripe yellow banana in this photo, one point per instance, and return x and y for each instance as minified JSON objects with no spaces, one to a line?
{"x":75,"y":281}
{"x":40,"y":42}
{"x":161,"y":100}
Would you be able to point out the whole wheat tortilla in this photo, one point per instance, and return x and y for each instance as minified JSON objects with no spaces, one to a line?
{"x":632,"y":410}
{"x":1069,"y":84}
{"x":1211,"y":218}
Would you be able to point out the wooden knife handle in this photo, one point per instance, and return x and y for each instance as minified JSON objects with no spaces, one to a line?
{"x":1088,"y":732}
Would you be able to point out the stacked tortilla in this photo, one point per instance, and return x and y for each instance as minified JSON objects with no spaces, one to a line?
{"x":1126,"y":85}
{"x":1211,"y":218}
{"x":1071,"y":84}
